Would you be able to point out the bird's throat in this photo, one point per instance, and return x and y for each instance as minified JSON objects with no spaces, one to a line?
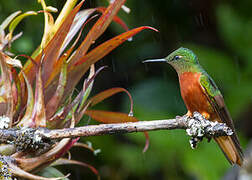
{"x":182,"y":67}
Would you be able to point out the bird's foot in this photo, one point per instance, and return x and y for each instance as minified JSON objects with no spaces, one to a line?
{"x":199,"y":127}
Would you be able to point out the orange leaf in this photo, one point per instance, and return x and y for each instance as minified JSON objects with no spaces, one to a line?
{"x":116,"y":19}
{"x":80,"y":20}
{"x":147,"y":142}
{"x":110,"y":92}
{"x":105,"y":48}
{"x":115,"y":117}
{"x":52,"y":49}
{"x":77,"y":70}
{"x":73,"y":30}
{"x":110,"y":117}
{"x":97,"y":30}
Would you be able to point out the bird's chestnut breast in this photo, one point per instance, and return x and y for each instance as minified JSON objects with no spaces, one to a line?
{"x":192,"y":93}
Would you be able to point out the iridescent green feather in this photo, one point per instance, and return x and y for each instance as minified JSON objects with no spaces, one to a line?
{"x":209,"y":85}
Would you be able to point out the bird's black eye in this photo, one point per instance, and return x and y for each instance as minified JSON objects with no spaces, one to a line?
{"x":176,"y":58}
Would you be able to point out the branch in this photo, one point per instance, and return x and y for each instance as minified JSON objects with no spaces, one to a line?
{"x":116,"y":128}
{"x":197,"y":127}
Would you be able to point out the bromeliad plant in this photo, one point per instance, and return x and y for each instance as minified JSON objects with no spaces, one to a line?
{"x":39,"y":93}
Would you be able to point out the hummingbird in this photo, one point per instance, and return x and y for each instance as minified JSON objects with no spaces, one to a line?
{"x":201,"y":94}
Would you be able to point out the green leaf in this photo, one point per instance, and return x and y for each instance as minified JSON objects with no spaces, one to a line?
{"x":50,"y":172}
{"x":17,"y":20}
{"x":7,"y":21}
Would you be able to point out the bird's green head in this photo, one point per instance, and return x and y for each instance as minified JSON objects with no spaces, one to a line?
{"x":182,"y":59}
{"x":182,"y":55}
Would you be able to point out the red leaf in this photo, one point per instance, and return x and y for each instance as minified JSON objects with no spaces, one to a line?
{"x":38,"y":114}
{"x":26,"y":120}
{"x":6,"y":97}
{"x":63,"y":161}
{"x":18,"y":92}
{"x":53,"y":103}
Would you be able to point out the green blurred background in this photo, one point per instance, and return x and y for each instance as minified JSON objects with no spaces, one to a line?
{"x":219,"y":32}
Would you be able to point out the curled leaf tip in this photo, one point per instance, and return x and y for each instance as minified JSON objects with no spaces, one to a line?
{"x":14,"y":62}
{"x":51,"y":9}
{"x":147,"y":142}
{"x":30,"y":58}
{"x":17,"y":20}
{"x":31,"y":13}
{"x":151,"y":28}
{"x":7,"y":21}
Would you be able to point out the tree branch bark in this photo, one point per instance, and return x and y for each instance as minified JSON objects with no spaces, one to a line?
{"x":197,"y":127}
{"x":116,"y":128}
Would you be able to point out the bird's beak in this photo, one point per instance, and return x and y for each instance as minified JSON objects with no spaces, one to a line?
{"x":155,"y":60}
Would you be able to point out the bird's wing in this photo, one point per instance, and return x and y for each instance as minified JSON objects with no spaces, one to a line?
{"x":216,"y":100}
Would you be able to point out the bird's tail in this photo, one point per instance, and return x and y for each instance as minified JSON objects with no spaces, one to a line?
{"x":230,"y":150}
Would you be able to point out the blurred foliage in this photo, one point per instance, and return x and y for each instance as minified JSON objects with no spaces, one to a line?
{"x":51,"y":172}
{"x":219,"y":32}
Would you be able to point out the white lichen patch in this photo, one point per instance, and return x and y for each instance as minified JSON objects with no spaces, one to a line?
{"x":5,"y":171}
{"x":199,"y":127}
{"x":37,"y":138}
{"x":29,"y":138}
{"x":97,"y":151}
{"x":4,"y":122}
